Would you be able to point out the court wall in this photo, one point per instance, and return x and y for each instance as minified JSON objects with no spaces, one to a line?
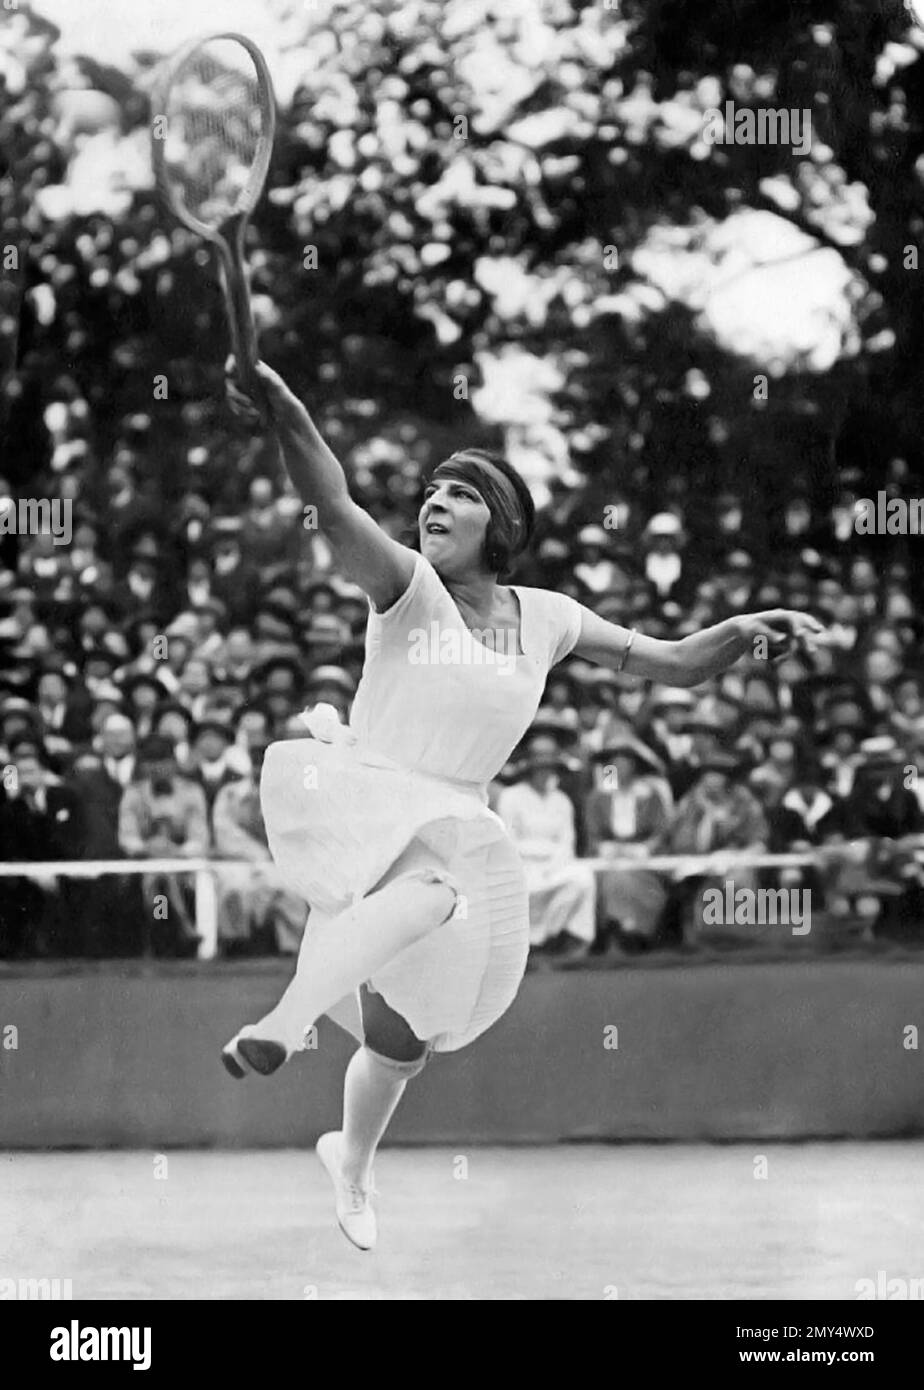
{"x":128,"y":1056}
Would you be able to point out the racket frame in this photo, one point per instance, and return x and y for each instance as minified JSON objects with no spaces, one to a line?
{"x":229,"y":236}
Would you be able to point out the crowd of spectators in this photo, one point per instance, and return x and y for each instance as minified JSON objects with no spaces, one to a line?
{"x":142,"y":679}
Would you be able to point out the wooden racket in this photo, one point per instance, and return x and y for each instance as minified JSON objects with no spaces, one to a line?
{"x":211,"y":152}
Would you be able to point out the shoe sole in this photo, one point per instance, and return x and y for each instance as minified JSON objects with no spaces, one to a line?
{"x":324,"y":1164}
{"x":263,"y":1055}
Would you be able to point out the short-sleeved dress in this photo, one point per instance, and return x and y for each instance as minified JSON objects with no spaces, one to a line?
{"x":436,"y":715}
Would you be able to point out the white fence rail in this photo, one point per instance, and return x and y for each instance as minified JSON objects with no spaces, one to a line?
{"x":206,"y":894}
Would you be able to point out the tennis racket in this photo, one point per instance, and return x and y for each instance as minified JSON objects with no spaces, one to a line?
{"x":211,"y":153}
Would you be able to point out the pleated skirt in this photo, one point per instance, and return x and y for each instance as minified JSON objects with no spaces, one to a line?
{"x":342,"y":822}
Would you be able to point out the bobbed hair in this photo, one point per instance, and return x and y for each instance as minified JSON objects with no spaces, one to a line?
{"x":499,"y":553}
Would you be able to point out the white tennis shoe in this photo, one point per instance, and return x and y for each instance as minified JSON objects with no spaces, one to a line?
{"x":353,"y":1205}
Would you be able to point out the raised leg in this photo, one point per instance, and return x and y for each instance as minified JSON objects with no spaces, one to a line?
{"x":341,"y":953}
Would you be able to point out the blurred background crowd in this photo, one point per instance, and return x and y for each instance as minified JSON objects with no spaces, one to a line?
{"x":460,"y":292}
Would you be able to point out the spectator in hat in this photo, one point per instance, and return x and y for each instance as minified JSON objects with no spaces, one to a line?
{"x":272,"y":627}
{"x":880,"y":806}
{"x":881,"y":669}
{"x":164,"y":815}
{"x":801,"y":815}
{"x":107,"y":699}
{"x":17,"y":716}
{"x":143,"y":590}
{"x":237,"y":661}
{"x":575,"y":775}
{"x":717,"y":814}
{"x":331,"y":685}
{"x":88,"y":568}
{"x":198,"y":588}
{"x":280,"y":674}
{"x":171,"y":653}
{"x":666,"y":726}
{"x":173,"y":720}
{"x":913,"y":772}
{"x":255,"y":909}
{"x":223,"y":703}
{"x":268,"y":535}
{"x":594,"y":706}
{"x":907,"y":711}
{"x":234,"y":580}
{"x":352,"y":606}
{"x":540,"y":818}
{"x":594,"y":569}
{"x":562,"y":692}
{"x":111,"y":906}
{"x":210,"y":643}
{"x":707,"y":735}
{"x":251,"y":727}
{"x":142,"y":634}
{"x":42,"y":565}
{"x":879,"y":875}
{"x":325,"y":638}
{"x":814,"y":813}
{"x":40,"y":819}
{"x":663,"y":539}
{"x":143,"y":692}
{"x":627,"y":813}
{"x":195,"y":685}
{"x":320,"y":596}
{"x":839,"y":733}
{"x":60,"y":710}
{"x":784,"y":826}
{"x":213,"y":760}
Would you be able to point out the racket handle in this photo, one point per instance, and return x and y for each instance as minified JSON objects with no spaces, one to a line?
{"x":237,"y":307}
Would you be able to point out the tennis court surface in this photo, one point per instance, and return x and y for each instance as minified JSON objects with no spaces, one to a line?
{"x":564,"y":1222}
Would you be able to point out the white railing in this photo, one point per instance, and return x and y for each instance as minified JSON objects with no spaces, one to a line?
{"x":206,"y":895}
{"x":204,"y":870}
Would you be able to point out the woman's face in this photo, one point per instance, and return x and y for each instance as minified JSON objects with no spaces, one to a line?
{"x":462,"y":513}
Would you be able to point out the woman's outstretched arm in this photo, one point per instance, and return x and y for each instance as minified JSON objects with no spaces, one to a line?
{"x":365,"y":554}
{"x":701,"y":655}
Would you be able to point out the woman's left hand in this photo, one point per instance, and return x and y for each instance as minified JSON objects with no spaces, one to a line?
{"x":784,"y":629}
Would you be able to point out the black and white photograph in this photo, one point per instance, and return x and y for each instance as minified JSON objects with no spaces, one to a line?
{"x":462,"y":661}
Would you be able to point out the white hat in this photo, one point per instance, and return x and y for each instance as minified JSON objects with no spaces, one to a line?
{"x":664,"y":524}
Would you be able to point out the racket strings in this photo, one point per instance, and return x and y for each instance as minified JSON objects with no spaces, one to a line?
{"x":216,"y":123}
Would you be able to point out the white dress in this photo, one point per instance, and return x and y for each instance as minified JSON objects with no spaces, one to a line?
{"x":405,"y":787}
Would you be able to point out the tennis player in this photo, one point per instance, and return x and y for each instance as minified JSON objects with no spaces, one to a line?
{"x":418,"y":932}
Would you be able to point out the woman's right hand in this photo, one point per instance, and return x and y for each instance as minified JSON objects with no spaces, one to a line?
{"x":271,"y":403}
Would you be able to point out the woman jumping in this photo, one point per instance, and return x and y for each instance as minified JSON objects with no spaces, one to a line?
{"x":418,"y":932}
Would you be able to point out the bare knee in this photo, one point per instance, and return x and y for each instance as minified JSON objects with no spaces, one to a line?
{"x":389,"y":1036}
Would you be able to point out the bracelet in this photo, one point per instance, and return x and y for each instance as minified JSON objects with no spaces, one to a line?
{"x":625,"y":656}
